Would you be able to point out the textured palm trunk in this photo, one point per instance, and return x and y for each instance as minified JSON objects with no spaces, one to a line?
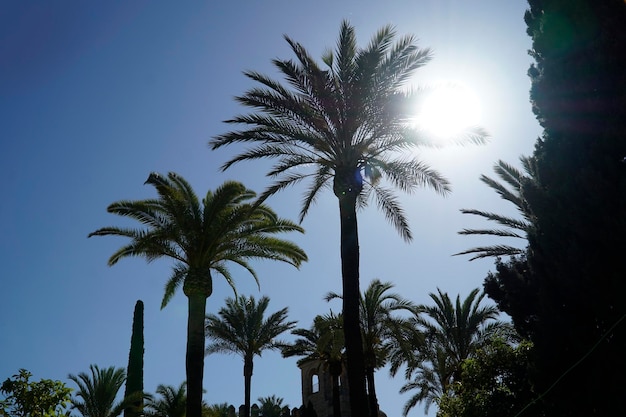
{"x":371,"y":391}
{"x":335,"y":371}
{"x":247,"y":377}
{"x":346,"y":188}
{"x":195,"y":353}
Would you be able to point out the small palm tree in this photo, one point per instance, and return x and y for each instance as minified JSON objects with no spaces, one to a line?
{"x":271,"y":406}
{"x":510,"y":190}
{"x":242,"y":328}
{"x":380,"y":329}
{"x":322,"y":343}
{"x":217,"y":410}
{"x":172,"y":402}
{"x":345,"y":126}
{"x":203,"y":238}
{"x":96,"y":393}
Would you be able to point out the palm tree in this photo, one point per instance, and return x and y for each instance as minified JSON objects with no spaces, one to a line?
{"x":173,"y":402}
{"x":271,"y":406}
{"x":510,"y":190}
{"x":431,"y":376}
{"x":380,"y":329}
{"x":241,"y":328}
{"x":217,"y":410}
{"x":202,"y":238}
{"x":351,"y":124}
{"x":322,"y":343}
{"x":453,"y":332}
{"x":96,"y":393}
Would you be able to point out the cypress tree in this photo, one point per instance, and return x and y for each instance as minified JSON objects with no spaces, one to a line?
{"x":134,"y":373}
{"x":567,"y":293}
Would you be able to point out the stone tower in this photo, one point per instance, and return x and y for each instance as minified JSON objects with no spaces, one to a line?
{"x":317,"y":388}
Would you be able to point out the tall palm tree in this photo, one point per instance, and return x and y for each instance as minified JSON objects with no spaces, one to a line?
{"x":172,"y":402}
{"x":96,"y":393}
{"x":322,"y":343}
{"x":380,"y":328}
{"x":453,"y":332}
{"x":242,"y":328}
{"x":511,"y":190}
{"x":349,"y":126}
{"x":203,"y":238}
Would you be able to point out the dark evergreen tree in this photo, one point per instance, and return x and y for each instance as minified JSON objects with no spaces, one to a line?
{"x":568,"y":294}
{"x":134,"y":372}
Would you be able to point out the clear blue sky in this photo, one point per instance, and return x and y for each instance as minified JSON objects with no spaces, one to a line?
{"x":95,"y":96}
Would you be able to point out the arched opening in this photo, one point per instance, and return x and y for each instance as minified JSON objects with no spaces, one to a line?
{"x":315,"y":383}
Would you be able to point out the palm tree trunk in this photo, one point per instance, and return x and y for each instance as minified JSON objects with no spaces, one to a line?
{"x":247,"y":379}
{"x":371,"y":391}
{"x":336,"y":394}
{"x":351,"y":295}
{"x":195,"y":353}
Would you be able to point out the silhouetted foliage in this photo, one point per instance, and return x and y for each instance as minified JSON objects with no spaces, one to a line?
{"x":271,"y":406}
{"x":172,"y":402}
{"x":134,"y":371}
{"x":509,"y":227}
{"x":568,"y":298}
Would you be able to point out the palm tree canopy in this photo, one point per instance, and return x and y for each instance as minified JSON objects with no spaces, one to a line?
{"x":379,"y":326}
{"x":348,"y":121}
{"x":271,"y":406}
{"x":242,"y":328}
{"x":461,"y":327}
{"x":97,"y":391}
{"x":323,"y":342}
{"x":172,"y":402}
{"x":509,"y":189}
{"x":202,"y":237}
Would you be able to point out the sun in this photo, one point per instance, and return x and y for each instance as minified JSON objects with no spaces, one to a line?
{"x":449,"y":109}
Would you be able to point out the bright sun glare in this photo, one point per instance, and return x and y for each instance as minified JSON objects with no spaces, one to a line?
{"x":449,"y":109}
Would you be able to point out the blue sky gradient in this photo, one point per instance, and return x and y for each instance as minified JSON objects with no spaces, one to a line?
{"x":95,"y":96}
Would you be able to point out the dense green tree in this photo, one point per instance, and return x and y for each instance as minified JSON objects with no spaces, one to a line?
{"x":324,"y":344}
{"x":568,"y":297}
{"x":242,"y":328}
{"x":25,"y":398}
{"x":172,"y":402}
{"x":452,"y":333}
{"x":203,"y":238}
{"x":493,"y":383}
{"x":346,"y":126}
{"x":134,"y":371}
{"x":380,"y":328}
{"x":97,"y":392}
